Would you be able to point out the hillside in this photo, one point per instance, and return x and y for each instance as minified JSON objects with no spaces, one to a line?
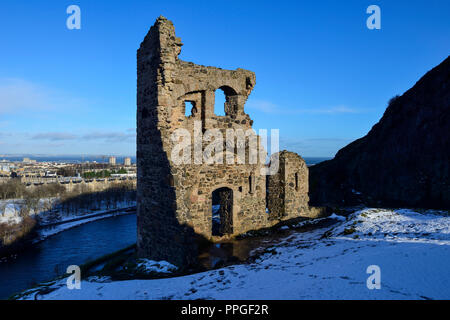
{"x":405,"y":158}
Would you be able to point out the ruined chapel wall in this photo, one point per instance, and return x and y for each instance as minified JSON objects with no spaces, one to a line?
{"x":288,"y":188}
{"x":175,"y":200}
{"x":296,"y":186}
{"x":193,"y":184}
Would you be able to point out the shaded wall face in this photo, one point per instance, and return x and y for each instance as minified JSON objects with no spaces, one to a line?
{"x":160,"y":235}
{"x":275,"y":193}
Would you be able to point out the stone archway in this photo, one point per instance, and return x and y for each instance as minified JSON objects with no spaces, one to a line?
{"x":222,"y":211}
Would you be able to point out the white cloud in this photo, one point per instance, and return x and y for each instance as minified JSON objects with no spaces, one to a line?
{"x":54,"y":136}
{"x":67,"y":142}
{"x":4,"y":124}
{"x":19,"y":96}
{"x":334,"y":110}
{"x":110,"y":136}
{"x":271,"y":108}
{"x":264,"y":106}
{"x":314,"y":147}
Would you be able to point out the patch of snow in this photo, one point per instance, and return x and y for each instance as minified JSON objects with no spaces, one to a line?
{"x":156,"y":266}
{"x":335,"y":216}
{"x":10,"y":212}
{"x":398,"y":225}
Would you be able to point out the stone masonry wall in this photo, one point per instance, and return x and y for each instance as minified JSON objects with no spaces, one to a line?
{"x":287,"y":196}
{"x":174,"y":204}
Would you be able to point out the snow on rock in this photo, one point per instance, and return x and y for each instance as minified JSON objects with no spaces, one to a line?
{"x":9,"y":212}
{"x":148,"y":266}
{"x":10,"y":209}
{"x":335,"y":216}
{"x":399,"y":225}
{"x":411,"y":248}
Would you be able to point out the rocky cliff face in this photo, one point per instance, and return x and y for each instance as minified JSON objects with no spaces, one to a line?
{"x":405,"y":158}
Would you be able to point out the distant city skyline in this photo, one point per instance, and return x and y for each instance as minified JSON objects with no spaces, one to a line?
{"x":322,"y":77}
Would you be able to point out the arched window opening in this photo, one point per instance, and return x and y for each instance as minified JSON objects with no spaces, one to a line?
{"x":190,"y":109}
{"x":251,"y":183}
{"x":296,"y":181}
{"x":219,"y":102}
{"x":226,"y":101}
{"x":222,"y":211}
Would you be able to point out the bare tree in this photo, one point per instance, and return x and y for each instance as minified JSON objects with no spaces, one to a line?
{"x":3,"y":205}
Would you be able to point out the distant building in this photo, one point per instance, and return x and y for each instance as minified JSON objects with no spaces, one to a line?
{"x":51,"y":174}
{"x":4,"y":169}
{"x":123,"y":175}
{"x":127,"y":161}
{"x":28,"y":160}
{"x":112,"y":161}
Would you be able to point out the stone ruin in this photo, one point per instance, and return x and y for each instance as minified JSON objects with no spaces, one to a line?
{"x":175,"y":201}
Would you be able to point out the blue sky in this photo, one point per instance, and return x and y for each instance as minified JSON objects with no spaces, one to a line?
{"x":322,"y":77}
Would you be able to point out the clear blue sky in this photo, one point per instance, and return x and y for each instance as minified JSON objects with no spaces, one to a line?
{"x":323,"y":78}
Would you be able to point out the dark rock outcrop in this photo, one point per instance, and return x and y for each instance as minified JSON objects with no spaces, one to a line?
{"x":405,"y":158}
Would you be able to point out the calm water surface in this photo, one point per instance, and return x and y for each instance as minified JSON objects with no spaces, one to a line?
{"x":76,"y":246}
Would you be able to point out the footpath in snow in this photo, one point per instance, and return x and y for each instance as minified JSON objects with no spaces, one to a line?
{"x":411,"y":249}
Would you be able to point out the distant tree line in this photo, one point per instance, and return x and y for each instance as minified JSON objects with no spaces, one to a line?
{"x":81,"y":199}
{"x":15,"y":189}
{"x":103,"y":173}
{"x":93,"y":170}
{"x":69,"y":171}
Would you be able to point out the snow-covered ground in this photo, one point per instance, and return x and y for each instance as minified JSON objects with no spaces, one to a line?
{"x":411,"y":249}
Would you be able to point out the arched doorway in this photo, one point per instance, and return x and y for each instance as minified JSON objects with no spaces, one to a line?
{"x":222,"y":211}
